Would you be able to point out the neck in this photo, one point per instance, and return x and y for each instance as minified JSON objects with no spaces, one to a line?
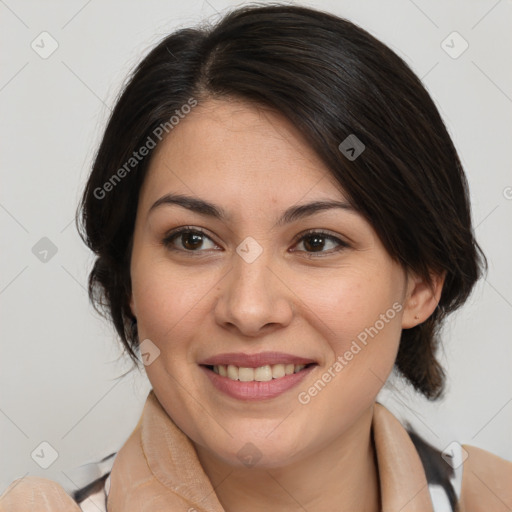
{"x":341,"y":476}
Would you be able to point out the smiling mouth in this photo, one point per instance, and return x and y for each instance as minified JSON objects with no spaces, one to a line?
{"x":264,"y":373}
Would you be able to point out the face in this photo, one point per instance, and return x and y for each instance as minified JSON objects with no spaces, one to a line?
{"x":259,"y":289}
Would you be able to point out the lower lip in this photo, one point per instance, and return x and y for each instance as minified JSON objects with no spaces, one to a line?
{"x":256,"y":390}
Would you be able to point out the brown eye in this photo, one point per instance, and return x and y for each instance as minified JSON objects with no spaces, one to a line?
{"x":191,"y":240}
{"x":187,"y":240}
{"x":317,"y":241}
{"x":314,"y":242}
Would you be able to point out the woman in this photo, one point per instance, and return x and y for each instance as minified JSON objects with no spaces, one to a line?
{"x":279,"y":218}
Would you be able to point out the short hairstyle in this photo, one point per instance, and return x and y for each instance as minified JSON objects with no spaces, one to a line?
{"x":331,"y":79}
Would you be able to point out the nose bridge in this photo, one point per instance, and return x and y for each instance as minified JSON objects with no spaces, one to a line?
{"x":252,"y":296}
{"x":251,"y":278}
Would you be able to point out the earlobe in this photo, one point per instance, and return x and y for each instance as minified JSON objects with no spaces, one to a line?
{"x":422,"y":299}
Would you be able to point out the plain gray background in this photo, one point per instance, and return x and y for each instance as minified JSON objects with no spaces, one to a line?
{"x":60,"y":364}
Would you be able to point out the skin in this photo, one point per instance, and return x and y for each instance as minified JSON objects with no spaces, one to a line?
{"x":192,"y":305}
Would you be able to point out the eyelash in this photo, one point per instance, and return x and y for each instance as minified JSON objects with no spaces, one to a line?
{"x":170,"y":237}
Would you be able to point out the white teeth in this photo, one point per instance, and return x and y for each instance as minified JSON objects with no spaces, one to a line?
{"x":245,"y":374}
{"x":278,"y":371}
{"x":261,"y":374}
{"x":233,"y":372}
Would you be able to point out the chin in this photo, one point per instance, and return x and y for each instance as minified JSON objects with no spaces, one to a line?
{"x":262,"y":451}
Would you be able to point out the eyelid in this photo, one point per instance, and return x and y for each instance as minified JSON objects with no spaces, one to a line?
{"x":170,"y":235}
{"x":318,"y":231}
{"x":342,"y":244}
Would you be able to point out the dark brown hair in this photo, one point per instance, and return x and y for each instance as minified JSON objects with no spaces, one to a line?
{"x":332,"y":79}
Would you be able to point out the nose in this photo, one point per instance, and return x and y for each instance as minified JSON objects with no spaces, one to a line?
{"x":253,"y":298}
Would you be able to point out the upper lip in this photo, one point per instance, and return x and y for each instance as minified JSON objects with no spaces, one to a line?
{"x":254,"y":360}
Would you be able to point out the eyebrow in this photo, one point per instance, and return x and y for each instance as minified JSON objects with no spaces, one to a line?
{"x":206,"y":208}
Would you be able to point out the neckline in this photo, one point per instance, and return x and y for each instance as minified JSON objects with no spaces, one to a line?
{"x":402,"y":482}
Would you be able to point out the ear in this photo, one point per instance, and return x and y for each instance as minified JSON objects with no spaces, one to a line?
{"x":421,"y":299}
{"x":132,"y":306}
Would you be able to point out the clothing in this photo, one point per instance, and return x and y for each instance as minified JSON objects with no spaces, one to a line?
{"x":157,"y":469}
{"x":95,"y":500}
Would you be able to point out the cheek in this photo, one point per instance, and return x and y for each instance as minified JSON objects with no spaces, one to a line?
{"x":169,"y":300}
{"x":359,"y":314}
{"x":360,"y":320}
{"x":169,"y":303}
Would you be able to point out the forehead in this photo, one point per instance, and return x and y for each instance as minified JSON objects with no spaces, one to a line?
{"x":239,"y":151}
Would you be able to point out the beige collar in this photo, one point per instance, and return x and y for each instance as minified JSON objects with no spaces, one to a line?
{"x":158,"y":467}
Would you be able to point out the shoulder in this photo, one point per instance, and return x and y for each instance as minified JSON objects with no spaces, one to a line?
{"x":44,"y":495}
{"x":35,"y":493}
{"x":486,"y":481}
{"x":474,"y":479}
